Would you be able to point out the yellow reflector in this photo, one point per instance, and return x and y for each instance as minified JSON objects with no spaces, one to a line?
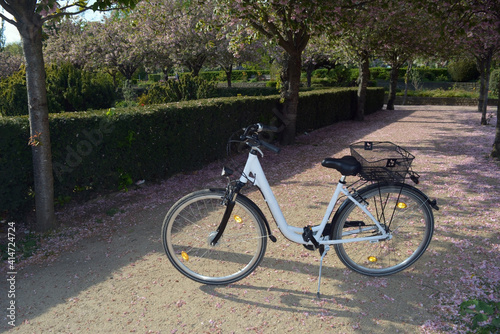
{"x":238,"y":219}
{"x":372,"y":259}
{"x":402,"y":205}
{"x":185,"y":256}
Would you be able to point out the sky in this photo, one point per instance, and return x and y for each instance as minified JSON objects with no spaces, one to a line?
{"x":12,"y":36}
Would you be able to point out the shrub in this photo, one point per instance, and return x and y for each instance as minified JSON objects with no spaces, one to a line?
{"x":463,"y":70}
{"x":340,"y":76}
{"x":272,"y":84}
{"x":322,"y":82}
{"x":428,"y":75}
{"x":186,"y":88}
{"x":432,"y":74}
{"x":494,"y":81}
{"x":213,"y":75}
{"x":72,"y":89}
{"x":155,"y":77}
{"x":13,"y":95}
{"x":380,"y":73}
{"x":16,"y":176}
{"x":443,"y":77}
{"x":68,"y":89}
{"x":236,"y":75}
{"x":247,"y":91}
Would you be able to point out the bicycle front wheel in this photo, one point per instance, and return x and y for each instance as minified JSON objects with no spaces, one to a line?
{"x":191,"y":225}
{"x":404,"y":213}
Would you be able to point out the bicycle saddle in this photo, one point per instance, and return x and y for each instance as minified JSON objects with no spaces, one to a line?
{"x":347,"y":165}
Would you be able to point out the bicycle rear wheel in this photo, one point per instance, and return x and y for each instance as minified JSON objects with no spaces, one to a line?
{"x":191,"y":225}
{"x":405,"y":214}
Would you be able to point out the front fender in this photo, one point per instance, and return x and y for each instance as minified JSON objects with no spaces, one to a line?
{"x":254,"y":206}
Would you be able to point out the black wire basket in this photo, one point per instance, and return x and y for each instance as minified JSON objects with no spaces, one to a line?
{"x":382,"y":161}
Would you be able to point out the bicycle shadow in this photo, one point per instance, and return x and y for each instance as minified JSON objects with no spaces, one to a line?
{"x":344,"y":295}
{"x":289,"y":300}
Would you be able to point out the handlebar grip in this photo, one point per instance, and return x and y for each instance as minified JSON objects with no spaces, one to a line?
{"x":266,"y":128}
{"x":270,"y":147}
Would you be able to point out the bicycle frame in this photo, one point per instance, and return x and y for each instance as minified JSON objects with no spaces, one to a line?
{"x":254,"y":173}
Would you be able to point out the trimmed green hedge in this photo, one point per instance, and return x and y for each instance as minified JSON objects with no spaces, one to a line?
{"x":235,"y":75}
{"x":107,"y":149}
{"x":246,"y":91}
{"x":381,"y":73}
{"x":16,"y":166}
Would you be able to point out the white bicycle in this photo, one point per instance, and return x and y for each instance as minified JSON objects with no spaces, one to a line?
{"x":219,"y":236}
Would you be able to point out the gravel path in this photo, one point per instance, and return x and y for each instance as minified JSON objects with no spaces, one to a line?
{"x":106,"y":272}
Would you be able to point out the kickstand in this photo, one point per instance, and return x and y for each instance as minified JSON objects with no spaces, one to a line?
{"x":327,"y":248}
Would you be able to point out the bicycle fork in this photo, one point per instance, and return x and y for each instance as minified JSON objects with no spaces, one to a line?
{"x":228,"y":200}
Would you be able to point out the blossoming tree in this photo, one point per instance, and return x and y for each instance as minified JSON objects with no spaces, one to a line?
{"x":473,"y":26}
{"x":406,"y":31}
{"x":64,"y":43}
{"x":9,"y":64}
{"x":28,"y":16}
{"x":290,"y":25}
{"x":115,"y":45}
{"x":173,"y":27}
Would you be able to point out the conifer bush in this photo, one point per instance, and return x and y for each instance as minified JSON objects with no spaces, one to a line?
{"x":463,"y":70}
{"x":68,"y":89}
{"x":186,"y":88}
{"x":13,"y":95}
{"x":494,"y":81}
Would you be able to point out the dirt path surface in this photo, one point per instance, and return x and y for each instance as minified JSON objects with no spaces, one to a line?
{"x":106,"y":271}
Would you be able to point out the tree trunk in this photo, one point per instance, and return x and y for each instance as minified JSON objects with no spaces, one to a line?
{"x":364,"y":77}
{"x":229,"y":73}
{"x":113,"y":74}
{"x":290,"y":78}
{"x":166,"y":71}
{"x":309,"y":71}
{"x":127,"y":71}
{"x":407,"y":77}
{"x":484,"y":65}
{"x":393,"y":85}
{"x":195,"y":64}
{"x":31,"y":35}
{"x":496,"y":143}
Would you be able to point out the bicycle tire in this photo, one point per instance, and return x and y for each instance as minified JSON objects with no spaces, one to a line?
{"x":191,"y":224}
{"x":406,"y":215}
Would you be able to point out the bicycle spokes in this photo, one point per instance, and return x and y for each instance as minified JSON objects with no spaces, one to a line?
{"x":405,"y":217}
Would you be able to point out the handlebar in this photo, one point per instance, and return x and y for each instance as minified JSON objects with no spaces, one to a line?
{"x":266,"y":128}
{"x":270,"y":147}
{"x":251,"y":132}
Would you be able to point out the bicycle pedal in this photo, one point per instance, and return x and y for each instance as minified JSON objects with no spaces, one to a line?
{"x":307,"y":235}
{"x":309,"y":247}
